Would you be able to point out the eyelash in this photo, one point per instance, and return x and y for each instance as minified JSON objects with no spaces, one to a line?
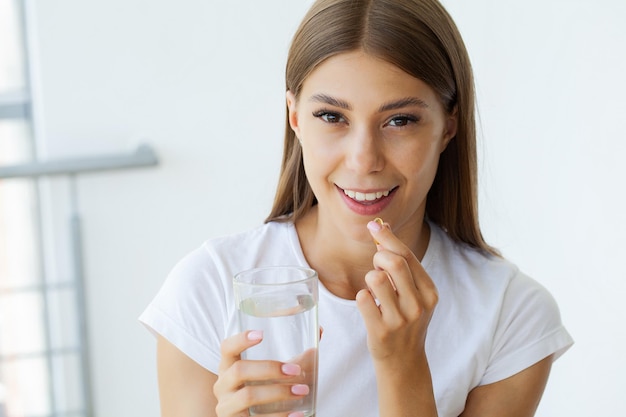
{"x":324,"y":114}
{"x":407,"y":118}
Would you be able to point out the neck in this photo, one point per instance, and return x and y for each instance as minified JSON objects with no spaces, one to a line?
{"x":342,"y":259}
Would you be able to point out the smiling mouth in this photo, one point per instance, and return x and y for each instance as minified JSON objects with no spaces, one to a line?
{"x":367,"y":197}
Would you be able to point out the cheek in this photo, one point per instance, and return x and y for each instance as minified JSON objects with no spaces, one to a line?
{"x":318,"y":161}
{"x":321,"y":151}
{"x":422,"y":156}
{"x":419,"y":167}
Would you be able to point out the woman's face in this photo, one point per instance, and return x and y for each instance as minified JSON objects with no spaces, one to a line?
{"x":371,"y":137}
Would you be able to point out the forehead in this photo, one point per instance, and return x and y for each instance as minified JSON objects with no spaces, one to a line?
{"x":360,"y":77}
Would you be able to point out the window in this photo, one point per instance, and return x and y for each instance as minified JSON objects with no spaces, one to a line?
{"x":41,"y":357}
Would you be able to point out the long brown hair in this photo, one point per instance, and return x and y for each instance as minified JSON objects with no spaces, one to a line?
{"x":419,"y":37}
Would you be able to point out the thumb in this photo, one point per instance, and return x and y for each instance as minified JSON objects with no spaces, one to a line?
{"x":376,"y":228}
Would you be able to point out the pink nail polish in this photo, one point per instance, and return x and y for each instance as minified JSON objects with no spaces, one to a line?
{"x":296,"y":414}
{"x":300,"y":389}
{"x":255,"y":335}
{"x":374,"y":226}
{"x":291,"y":369}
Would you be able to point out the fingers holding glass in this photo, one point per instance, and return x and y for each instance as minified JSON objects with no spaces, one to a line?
{"x":255,"y":384}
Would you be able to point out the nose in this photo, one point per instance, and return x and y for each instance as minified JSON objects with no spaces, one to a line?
{"x":364,"y":152}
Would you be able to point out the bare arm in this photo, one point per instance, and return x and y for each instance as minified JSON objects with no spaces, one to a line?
{"x":517,"y":396}
{"x":185,"y":387}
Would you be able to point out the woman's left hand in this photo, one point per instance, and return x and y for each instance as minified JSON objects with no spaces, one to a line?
{"x":400,"y":302}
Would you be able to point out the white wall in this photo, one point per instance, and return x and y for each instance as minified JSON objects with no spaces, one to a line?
{"x":202,"y":81}
{"x":550,"y":79}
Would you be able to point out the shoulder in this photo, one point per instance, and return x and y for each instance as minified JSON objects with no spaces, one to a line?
{"x":253,"y":237}
{"x":200,"y":284}
{"x":270,"y":243}
{"x":488,"y":282}
{"x":226,"y":255}
{"x":467,"y":265}
{"x":194,"y":308}
{"x":506,"y":320}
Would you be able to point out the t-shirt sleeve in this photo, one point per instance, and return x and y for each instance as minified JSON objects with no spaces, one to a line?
{"x":529,"y":329}
{"x":191,"y":309}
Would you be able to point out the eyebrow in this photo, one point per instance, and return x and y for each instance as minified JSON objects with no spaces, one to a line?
{"x":393,"y":105}
{"x":325,"y":98}
{"x":404,"y":102}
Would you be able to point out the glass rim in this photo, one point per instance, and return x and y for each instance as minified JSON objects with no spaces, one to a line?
{"x":310,"y":273}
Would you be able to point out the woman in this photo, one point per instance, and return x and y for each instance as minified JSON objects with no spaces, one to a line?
{"x":431,"y":320}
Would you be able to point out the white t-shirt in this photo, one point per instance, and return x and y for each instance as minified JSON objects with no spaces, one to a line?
{"x":491,"y":322}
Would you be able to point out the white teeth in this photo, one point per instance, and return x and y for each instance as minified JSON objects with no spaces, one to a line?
{"x":365,"y":196}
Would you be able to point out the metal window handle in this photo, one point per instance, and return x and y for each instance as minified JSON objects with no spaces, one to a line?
{"x":143,"y":156}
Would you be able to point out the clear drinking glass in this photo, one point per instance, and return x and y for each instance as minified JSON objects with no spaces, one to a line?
{"x":282,"y":302}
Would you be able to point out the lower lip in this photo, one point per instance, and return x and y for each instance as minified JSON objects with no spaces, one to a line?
{"x":367,"y":208}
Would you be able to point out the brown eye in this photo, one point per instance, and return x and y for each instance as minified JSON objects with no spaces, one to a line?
{"x":402,"y":120}
{"x":329,"y":117}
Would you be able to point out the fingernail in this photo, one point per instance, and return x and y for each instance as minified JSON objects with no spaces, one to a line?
{"x":300,"y":389}
{"x":296,"y":414}
{"x":291,"y":369}
{"x":374,"y":226}
{"x":255,"y":335}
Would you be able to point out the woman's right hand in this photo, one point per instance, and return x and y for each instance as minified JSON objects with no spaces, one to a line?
{"x":234,"y":396}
